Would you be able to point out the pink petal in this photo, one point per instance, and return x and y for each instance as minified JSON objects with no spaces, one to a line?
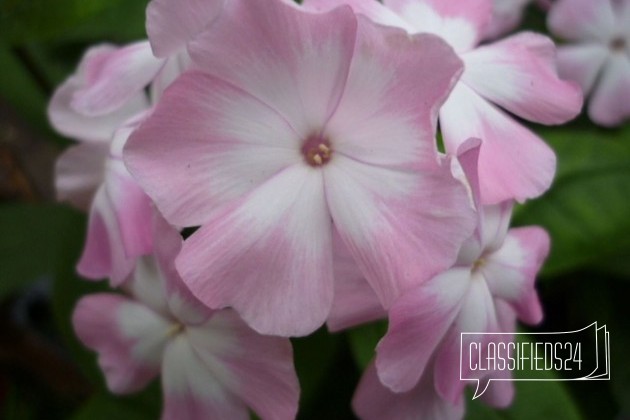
{"x":192,"y":390}
{"x":519,"y":74}
{"x":112,"y":82}
{"x":270,"y":256}
{"x":511,"y":271}
{"x":147,"y":285}
{"x":468,"y":160}
{"x":133,"y":209}
{"x":104,"y":252}
{"x":609,"y":104}
{"x":383,"y":216}
{"x":376,"y":188}
{"x":79,"y":173}
{"x":506,"y":15}
{"x":173,"y":67}
{"x":587,"y":20}
{"x":495,"y":224}
{"x":513,"y":163}
{"x":171,"y":24}
{"x":461,"y":24}
{"x":418,"y":321}
{"x":381,"y":119}
{"x":181,"y":302}
{"x":477,"y":315}
{"x":259,"y":369}
{"x":207,"y":143}
{"x":371,"y":9}
{"x":355,"y":302}
{"x":582,"y":63}
{"x":500,"y":392}
{"x":374,"y":401}
{"x":281,"y":53}
{"x":128,"y":337}
{"x":71,"y":122}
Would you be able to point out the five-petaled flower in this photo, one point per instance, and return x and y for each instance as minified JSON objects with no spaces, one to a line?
{"x":292,"y":124}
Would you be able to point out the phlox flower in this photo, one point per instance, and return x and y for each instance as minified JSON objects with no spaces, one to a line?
{"x":100,"y":105}
{"x":416,"y":370}
{"x":598,"y":57}
{"x":490,"y":286}
{"x":294,"y":122}
{"x":212,"y":365}
{"x":516,"y":74}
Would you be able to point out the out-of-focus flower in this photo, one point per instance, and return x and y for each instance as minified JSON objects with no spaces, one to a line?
{"x":299,"y":121}
{"x":517,"y":74}
{"x":599,"y":56}
{"x":506,"y":15}
{"x":99,"y":106}
{"x":212,"y":365}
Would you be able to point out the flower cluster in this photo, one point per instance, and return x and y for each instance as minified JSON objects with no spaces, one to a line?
{"x":299,"y":143}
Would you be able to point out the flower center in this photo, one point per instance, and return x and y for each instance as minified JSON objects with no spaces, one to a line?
{"x":618,"y":44}
{"x":175,"y":330}
{"x":316,"y":151}
{"x":478,"y":264}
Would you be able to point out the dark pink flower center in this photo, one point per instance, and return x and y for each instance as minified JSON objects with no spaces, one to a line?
{"x":316,"y":150}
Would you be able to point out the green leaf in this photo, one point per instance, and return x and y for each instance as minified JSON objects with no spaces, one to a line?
{"x":34,"y":20}
{"x":29,"y":244}
{"x":586,"y":210}
{"x":314,"y":355}
{"x":104,"y":406}
{"x":363,"y":341}
{"x":19,"y":89}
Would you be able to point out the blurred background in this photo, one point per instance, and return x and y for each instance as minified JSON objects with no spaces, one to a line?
{"x":46,"y":374}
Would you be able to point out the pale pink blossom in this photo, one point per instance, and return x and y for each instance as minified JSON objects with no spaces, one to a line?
{"x":100,"y":105}
{"x":490,"y":286}
{"x":516,"y":74}
{"x":598,"y":57}
{"x":212,"y":365}
{"x":416,"y":371}
{"x":296,"y":122}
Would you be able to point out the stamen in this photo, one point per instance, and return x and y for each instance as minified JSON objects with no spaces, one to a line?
{"x":317,"y":151}
{"x":478,"y":264}
{"x":175,"y":330}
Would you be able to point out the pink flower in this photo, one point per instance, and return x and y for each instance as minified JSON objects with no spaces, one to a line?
{"x":491,"y":285}
{"x":299,"y":121}
{"x":100,"y":106}
{"x":599,"y":57}
{"x":517,"y":74}
{"x":212,"y":365}
{"x":416,"y":371}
